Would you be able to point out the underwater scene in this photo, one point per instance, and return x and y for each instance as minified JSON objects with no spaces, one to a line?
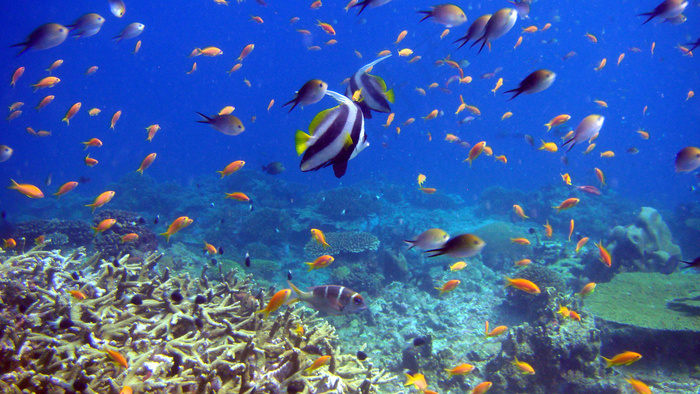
{"x":373,"y":196}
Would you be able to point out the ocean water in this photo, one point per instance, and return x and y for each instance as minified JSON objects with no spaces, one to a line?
{"x":646,"y":91}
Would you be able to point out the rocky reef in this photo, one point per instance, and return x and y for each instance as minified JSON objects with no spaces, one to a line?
{"x":78,"y":324}
{"x":644,"y":246}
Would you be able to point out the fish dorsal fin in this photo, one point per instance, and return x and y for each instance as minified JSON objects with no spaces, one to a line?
{"x":348,"y":141}
{"x":370,"y":65}
{"x":318,"y":119}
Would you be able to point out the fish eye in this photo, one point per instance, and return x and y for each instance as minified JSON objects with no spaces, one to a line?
{"x":358,"y":300}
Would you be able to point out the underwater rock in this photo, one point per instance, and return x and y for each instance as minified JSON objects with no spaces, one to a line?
{"x":653,"y":314}
{"x":347,"y":242}
{"x":564,"y":354}
{"x":500,"y":252}
{"x":78,"y":233}
{"x":645,"y":246}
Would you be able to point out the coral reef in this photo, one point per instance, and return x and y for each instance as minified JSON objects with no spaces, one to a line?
{"x":343,"y":243}
{"x":265,"y":226}
{"x":500,"y":252}
{"x":535,"y":307}
{"x":109,"y":242}
{"x":58,"y":232}
{"x":645,"y":246}
{"x":175,"y":334}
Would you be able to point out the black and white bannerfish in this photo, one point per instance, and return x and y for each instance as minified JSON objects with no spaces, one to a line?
{"x":374,"y":95}
{"x":332,"y":299}
{"x":336,"y":135}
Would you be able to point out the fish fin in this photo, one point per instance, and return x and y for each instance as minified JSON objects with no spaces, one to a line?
{"x":372,"y":64}
{"x":318,"y":119}
{"x":436,"y":252}
{"x":390,"y":97}
{"x":362,"y":4}
{"x":339,"y":169}
{"x":295,"y":100}
{"x":300,"y":141}
{"x":651,"y":16}
{"x":165,"y":234}
{"x":208,"y":119}
{"x":428,"y":14}
{"x":311,"y":266}
{"x":299,"y":294}
{"x":410,"y":243}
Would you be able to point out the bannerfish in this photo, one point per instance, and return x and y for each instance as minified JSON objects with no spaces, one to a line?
{"x":374,"y":94}
{"x":332,"y":299}
{"x":336,"y":135}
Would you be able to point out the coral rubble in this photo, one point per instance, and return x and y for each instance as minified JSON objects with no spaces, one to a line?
{"x":65,"y":318}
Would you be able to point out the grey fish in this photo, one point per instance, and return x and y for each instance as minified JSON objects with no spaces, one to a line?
{"x":332,"y":299}
{"x":44,"y":37}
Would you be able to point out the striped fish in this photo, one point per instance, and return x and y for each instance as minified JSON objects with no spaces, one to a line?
{"x":375,"y":97}
{"x":336,"y":135}
{"x":332,"y":299}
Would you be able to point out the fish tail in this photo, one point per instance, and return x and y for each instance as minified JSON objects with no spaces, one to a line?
{"x":390,"y":96}
{"x":549,"y":126}
{"x":311,"y":266}
{"x":608,"y":362}
{"x":166,"y":235}
{"x":297,"y":293}
{"x":220,"y":172}
{"x":140,"y":171}
{"x":208,"y":119}
{"x":300,"y":141}
{"x":436,"y":252}
{"x":410,"y":243}
{"x":428,"y":14}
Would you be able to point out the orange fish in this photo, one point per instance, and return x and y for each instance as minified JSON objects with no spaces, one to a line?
{"x":530,"y":29}
{"x":209,"y":248}
{"x":607,"y":154}
{"x":320,"y":262}
{"x":16,"y":105}
{"x":587,"y":289}
{"x":9,"y":243}
{"x":316,"y":4}
{"x":591,"y":38}
{"x":546,"y":27}
{"x":461,"y":369}
{"x":517,"y":43}
{"x":94,"y":112}
{"x":481,"y":388}
{"x":566,"y":178}
{"x":13,"y":115}
{"x":320,"y":362}
{"x":152,"y":130}
{"x":234,"y":69}
{"x":506,"y":115}
{"x":91,"y":70}
{"x":16,"y":75}
{"x":458,"y":266}
{"x":619,"y":59}
{"x":638,"y":386}
{"x":571,"y":228}
{"x":567,"y":204}
{"x":131,"y":237}
{"x":77,"y":294}
{"x":431,"y":115}
{"x":40,"y":240}
{"x":101,"y":200}
{"x":104,"y":226}
{"x":499,"y":83}
{"x":89,"y":161}
{"x":475,"y":151}
{"x":400,"y":37}
{"x":524,"y":285}
{"x":417,"y":380}
{"x":146,"y":162}
{"x":44,"y":102}
{"x":525,"y":368}
{"x":557,"y":120}
{"x":601,"y":64}
{"x":523,"y":262}
{"x":548,"y":229}
{"x":319,"y":237}
{"x":177,"y":225}
{"x":519,"y":211}
{"x":601,"y":103}
{"x":502,"y":158}
{"x":495,"y":332}
{"x":238,"y":196}
{"x":47,"y":82}
{"x":520,"y":241}
{"x":115,"y":118}
{"x":127,"y":389}
{"x":92,"y":142}
{"x":117,"y":358}
{"x":548,"y":146}
{"x":428,"y":190}
{"x":71,"y":112}
{"x":28,"y":190}
{"x":564,"y":311}
{"x":326,"y":27}
{"x":574,"y":316}
{"x":193,"y":69}
{"x":277,"y":300}
{"x":604,"y":254}
{"x":581,"y":243}
{"x":599,"y":174}
{"x":137,"y":47}
{"x":448,"y":286}
{"x":625,"y":358}
{"x":245,"y":52}
{"x":257,"y":19}
{"x":231,"y":168}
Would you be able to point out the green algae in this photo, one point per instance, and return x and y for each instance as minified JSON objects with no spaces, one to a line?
{"x":648,"y":300}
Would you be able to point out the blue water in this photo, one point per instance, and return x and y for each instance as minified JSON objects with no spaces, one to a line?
{"x":153,"y":87}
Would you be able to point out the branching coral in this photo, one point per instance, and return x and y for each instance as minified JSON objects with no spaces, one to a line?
{"x":176,"y":334}
{"x":343,"y":242}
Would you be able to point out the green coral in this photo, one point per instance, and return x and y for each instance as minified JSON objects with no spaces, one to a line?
{"x":647,"y":300}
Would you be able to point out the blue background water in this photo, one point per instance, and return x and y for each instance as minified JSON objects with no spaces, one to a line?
{"x":153,"y":87}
